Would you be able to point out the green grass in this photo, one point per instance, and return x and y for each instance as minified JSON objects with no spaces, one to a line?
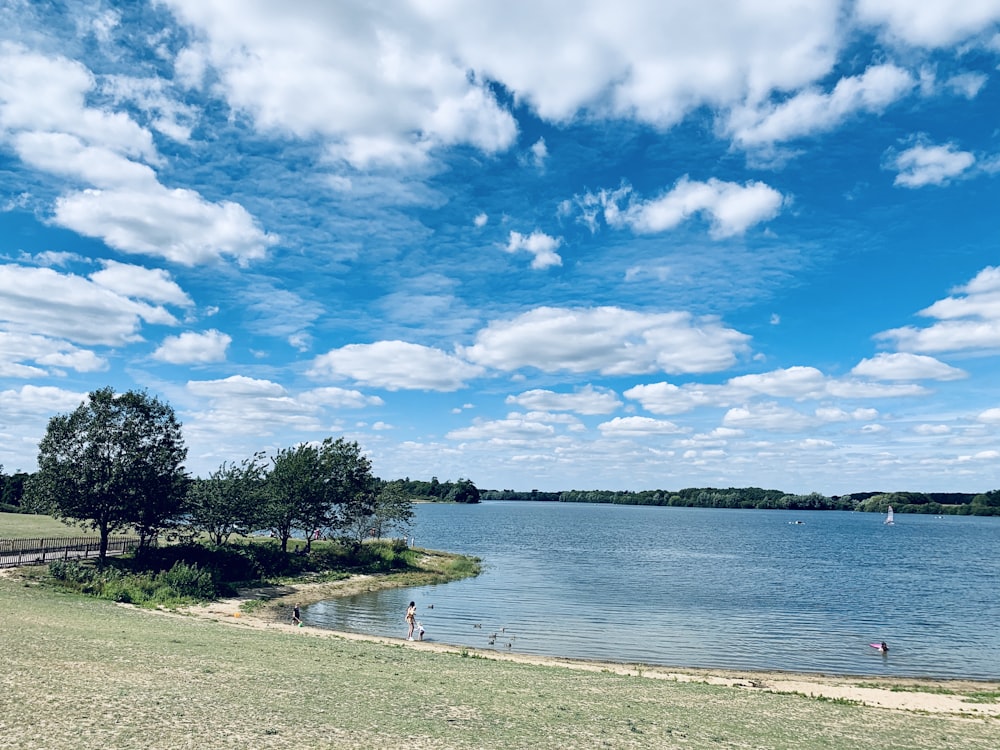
{"x":86,"y":674}
{"x":28,"y":526}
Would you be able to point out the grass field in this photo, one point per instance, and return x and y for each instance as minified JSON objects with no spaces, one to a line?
{"x":28,"y":526}
{"x":81,"y":673}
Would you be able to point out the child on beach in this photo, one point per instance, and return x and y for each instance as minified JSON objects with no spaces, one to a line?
{"x":296,"y":618}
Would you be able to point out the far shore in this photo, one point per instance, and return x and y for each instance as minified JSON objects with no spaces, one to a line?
{"x":944,"y":696}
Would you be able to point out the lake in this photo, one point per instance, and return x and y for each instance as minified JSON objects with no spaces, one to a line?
{"x":692,"y":587}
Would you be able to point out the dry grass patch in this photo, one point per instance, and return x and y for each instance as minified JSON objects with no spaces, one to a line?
{"x":81,"y":674}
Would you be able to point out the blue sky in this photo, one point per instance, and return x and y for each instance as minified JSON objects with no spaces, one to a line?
{"x":545,"y":245}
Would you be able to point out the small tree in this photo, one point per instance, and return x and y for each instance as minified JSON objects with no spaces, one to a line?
{"x":116,"y":461}
{"x":313,"y":487}
{"x":393,"y":510}
{"x":228,"y":501}
{"x":464,"y":491}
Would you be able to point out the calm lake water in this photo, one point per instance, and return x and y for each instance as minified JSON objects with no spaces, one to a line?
{"x":692,"y":587}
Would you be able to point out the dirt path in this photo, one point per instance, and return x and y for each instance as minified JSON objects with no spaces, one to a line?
{"x":955,"y":697}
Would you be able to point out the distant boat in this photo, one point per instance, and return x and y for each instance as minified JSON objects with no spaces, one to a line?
{"x":888,"y":517}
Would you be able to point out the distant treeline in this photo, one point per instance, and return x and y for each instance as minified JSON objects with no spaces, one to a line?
{"x":934,"y":503}
{"x":462,"y":491}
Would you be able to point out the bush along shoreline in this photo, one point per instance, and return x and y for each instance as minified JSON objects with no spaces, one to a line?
{"x":185,"y":574}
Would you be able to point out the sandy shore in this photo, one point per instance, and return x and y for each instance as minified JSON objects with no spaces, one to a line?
{"x":955,"y":697}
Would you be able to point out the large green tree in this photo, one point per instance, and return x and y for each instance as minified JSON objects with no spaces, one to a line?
{"x":228,"y":501}
{"x":113,"y":463}
{"x":316,"y":487}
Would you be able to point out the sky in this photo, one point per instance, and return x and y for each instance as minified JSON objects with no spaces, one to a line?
{"x":541,"y":245}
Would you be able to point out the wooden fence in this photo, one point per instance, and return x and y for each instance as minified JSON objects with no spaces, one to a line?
{"x":15,"y":552}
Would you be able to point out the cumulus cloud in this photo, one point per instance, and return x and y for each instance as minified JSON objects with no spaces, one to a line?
{"x":729,"y":207}
{"x":540,"y":245}
{"x":49,"y":356}
{"x":177,"y":224}
{"x":652,"y":62}
{"x":36,"y":404}
{"x":929,"y":24}
{"x":415,"y":95}
{"x":812,"y":111}
{"x":45,"y":116}
{"x":139,"y":282}
{"x":990,"y":416}
{"x":396,"y":365}
{"x":30,"y":78}
{"x":767,"y":416}
{"x":65,"y":306}
{"x":924,"y":165}
{"x":609,"y":340}
{"x":967,"y":320}
{"x":586,"y":400}
{"x":795,"y":383}
{"x":191,"y":348}
{"x":512,"y":430}
{"x":905,"y":366}
{"x":637,"y":427}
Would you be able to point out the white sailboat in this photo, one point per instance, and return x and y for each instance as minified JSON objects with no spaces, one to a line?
{"x":888,"y":517}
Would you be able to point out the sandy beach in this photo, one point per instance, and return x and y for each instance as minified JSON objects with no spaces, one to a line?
{"x":952,"y":697}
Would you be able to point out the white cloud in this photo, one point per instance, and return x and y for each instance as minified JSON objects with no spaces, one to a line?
{"x":609,"y":340}
{"x":540,"y":153}
{"x":586,"y":400}
{"x":654,"y":62}
{"x":480,"y":220}
{"x":767,"y":416}
{"x":396,"y":365}
{"x":38,"y":403}
{"x":904,"y":366}
{"x":399,"y":92}
{"x":540,"y":245}
{"x":44,"y":115}
{"x":796,"y":383}
{"x":730,"y":208}
{"x":236,"y":386}
{"x":339,"y":398}
{"x":813,"y":111}
{"x":65,"y":306}
{"x":152,"y":284}
{"x":517,"y":430}
{"x":48,"y":355}
{"x":967,"y":84}
{"x":990,"y":416}
{"x":194,"y":348}
{"x":924,"y":165}
{"x":929,"y":23}
{"x":932,"y":429}
{"x":637,"y":427}
{"x":48,"y":94}
{"x":968,"y":320}
{"x":178,"y":224}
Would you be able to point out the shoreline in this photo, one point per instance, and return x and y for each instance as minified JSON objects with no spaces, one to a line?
{"x":966,"y":698}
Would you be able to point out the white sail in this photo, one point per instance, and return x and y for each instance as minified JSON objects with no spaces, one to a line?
{"x":888,"y":517}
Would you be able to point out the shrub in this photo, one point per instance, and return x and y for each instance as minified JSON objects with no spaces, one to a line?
{"x":188,"y":581}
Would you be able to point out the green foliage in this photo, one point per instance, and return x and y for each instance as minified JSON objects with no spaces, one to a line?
{"x":181,"y":584}
{"x":317,"y":487}
{"x":462,"y":491}
{"x":229,"y":501}
{"x":116,"y":461}
{"x":391,"y":512}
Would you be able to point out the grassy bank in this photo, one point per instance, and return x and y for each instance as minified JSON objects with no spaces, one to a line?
{"x":83,"y":673}
{"x":30,"y":526}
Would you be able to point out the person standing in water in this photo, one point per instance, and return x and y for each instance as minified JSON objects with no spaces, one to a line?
{"x":411,"y":619}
